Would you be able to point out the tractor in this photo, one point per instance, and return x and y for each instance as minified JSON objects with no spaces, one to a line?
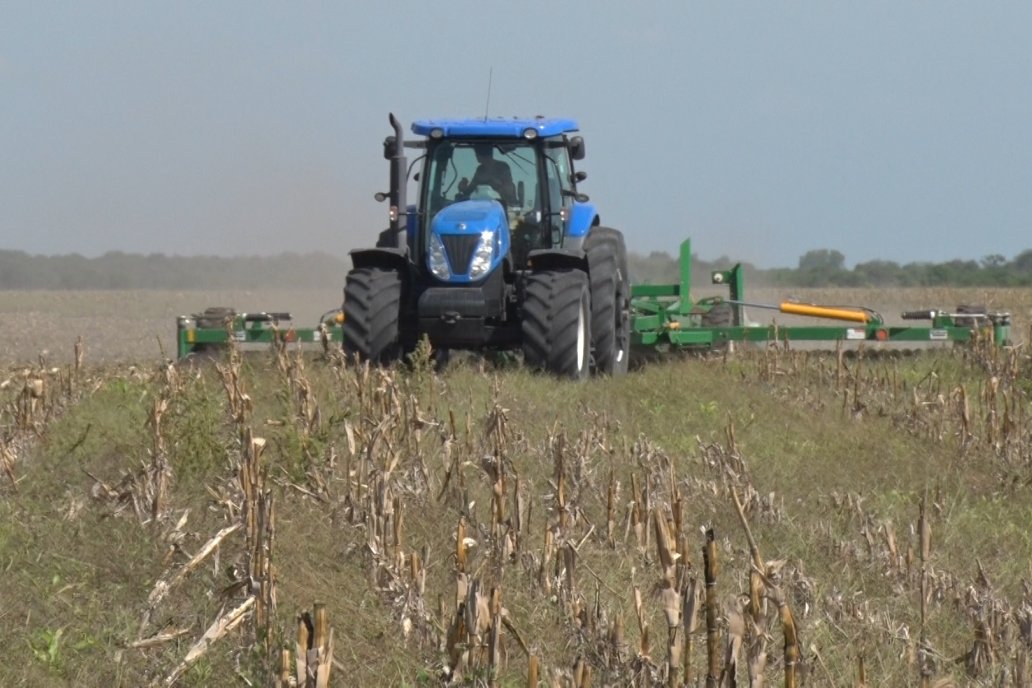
{"x":500,"y":252}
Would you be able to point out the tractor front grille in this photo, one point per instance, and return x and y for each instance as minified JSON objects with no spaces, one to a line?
{"x":460,"y":248}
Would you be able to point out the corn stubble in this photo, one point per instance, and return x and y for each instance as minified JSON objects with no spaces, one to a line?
{"x":500,"y":555}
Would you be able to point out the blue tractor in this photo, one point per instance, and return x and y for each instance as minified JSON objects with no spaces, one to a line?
{"x":500,"y":252}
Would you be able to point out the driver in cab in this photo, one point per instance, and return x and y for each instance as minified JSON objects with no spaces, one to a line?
{"x":490,"y":172}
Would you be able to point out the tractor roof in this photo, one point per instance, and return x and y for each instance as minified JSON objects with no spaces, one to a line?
{"x":503,"y":128}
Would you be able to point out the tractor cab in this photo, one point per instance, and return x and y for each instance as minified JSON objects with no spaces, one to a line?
{"x":492,"y":191}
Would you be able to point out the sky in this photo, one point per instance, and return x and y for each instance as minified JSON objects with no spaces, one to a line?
{"x":889,"y":130}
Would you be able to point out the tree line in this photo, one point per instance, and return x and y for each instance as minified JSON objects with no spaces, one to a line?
{"x":117,"y":270}
{"x":827,"y":268}
{"x":822,"y":267}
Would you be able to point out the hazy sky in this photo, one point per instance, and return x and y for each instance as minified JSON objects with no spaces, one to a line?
{"x":894,"y":130}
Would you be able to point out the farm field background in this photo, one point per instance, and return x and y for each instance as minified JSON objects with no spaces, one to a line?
{"x":132,"y":326}
{"x":486,"y":523}
{"x":127,"y":326}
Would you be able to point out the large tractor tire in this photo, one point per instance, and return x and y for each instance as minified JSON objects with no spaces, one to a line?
{"x":610,"y":300}
{"x":557,"y":323}
{"x":372,"y":308}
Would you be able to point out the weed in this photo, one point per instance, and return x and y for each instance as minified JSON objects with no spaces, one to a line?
{"x":46,"y":647}
{"x":198,"y":424}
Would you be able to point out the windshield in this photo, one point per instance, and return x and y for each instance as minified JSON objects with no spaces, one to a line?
{"x":464,"y":170}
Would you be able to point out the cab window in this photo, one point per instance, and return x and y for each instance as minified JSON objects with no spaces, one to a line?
{"x":451,"y":162}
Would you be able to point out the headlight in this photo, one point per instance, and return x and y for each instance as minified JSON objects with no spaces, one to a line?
{"x":436,"y":260}
{"x":485,"y":253}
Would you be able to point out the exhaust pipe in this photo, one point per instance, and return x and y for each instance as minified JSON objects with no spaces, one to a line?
{"x":399,"y":169}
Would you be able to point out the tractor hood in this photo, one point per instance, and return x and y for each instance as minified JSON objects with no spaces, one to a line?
{"x":469,"y":216}
{"x":468,"y":240}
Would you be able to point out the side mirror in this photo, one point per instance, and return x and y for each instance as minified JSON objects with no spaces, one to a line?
{"x":390,"y":147}
{"x":579,"y":176}
{"x":577,"y":148}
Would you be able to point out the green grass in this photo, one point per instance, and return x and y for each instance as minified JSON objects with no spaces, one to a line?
{"x":830,"y":464}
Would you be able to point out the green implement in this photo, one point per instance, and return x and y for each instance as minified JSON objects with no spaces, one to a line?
{"x":215,"y":328}
{"x":664,"y":316}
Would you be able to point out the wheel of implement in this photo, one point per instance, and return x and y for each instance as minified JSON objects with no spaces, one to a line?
{"x":970,"y":308}
{"x":720,"y":315}
{"x":557,"y":323}
{"x":215,"y":316}
{"x":372,"y":307}
{"x":610,"y":300}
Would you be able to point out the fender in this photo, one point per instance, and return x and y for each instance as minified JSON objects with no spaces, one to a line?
{"x":583,"y":216}
{"x":388,"y":258}
{"x":557,"y":259}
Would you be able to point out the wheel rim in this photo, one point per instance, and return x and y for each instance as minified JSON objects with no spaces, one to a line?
{"x":581,"y":336}
{"x":623,"y":321}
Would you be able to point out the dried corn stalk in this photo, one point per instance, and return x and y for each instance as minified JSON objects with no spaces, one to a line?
{"x":314,"y":648}
{"x":709,"y":559}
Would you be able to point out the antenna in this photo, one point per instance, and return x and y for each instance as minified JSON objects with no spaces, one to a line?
{"x":487,"y":105}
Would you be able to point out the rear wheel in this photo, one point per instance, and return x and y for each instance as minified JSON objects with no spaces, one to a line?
{"x":557,"y":323}
{"x":372,"y":307}
{"x":610,"y":299}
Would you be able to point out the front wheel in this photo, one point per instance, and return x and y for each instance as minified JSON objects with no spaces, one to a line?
{"x":557,"y":323}
{"x":372,"y":308}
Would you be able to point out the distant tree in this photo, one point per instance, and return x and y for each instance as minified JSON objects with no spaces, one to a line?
{"x":955,"y":272}
{"x":780,"y":277}
{"x":1023,"y":263}
{"x":16,"y":270}
{"x":656,"y":268}
{"x":822,"y":267}
{"x":822,"y":260}
{"x":878,"y":272}
{"x":914,"y":274}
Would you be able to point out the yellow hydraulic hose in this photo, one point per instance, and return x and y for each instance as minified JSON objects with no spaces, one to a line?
{"x":824,"y":312}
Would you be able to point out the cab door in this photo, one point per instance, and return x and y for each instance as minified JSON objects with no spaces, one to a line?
{"x":558,"y":187}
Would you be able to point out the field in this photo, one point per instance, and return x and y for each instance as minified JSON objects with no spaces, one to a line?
{"x":130,"y":326}
{"x":799,"y":517}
